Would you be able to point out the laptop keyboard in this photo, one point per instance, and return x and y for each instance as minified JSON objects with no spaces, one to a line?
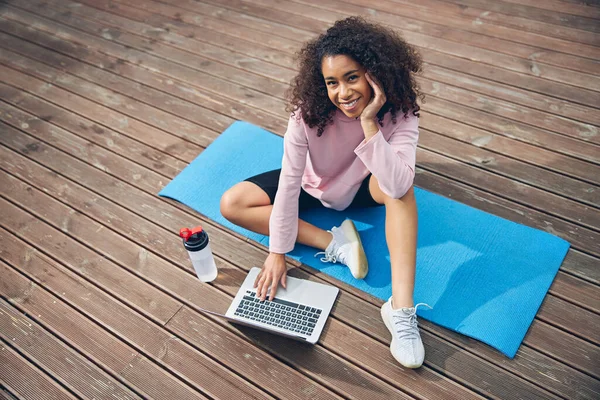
{"x":293,"y":317}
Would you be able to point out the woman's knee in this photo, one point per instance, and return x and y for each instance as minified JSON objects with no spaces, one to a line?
{"x":405,"y":199}
{"x":240,"y":197}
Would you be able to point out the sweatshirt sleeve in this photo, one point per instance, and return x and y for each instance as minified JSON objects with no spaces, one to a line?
{"x":283,"y":225}
{"x":392,"y":162}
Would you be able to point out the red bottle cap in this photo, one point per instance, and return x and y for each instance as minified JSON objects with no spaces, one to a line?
{"x":186,"y":232}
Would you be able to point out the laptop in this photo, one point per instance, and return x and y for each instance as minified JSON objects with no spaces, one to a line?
{"x":298,"y":312}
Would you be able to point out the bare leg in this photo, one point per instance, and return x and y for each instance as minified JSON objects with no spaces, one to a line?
{"x":401,"y":237}
{"x":248,"y":206}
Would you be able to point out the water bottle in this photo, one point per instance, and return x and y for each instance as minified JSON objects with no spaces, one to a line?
{"x":196,"y":243}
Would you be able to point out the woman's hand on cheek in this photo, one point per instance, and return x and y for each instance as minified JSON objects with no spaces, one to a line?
{"x":377,"y":101}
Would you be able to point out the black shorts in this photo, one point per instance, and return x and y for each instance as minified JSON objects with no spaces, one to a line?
{"x":269,"y":181}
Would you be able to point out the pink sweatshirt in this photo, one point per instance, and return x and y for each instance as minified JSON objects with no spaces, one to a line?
{"x":333,"y":166}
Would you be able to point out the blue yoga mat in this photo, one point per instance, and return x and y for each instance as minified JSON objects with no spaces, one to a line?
{"x":484,"y":276}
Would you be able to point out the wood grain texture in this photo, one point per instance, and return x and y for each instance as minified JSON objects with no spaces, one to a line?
{"x":103,"y":102}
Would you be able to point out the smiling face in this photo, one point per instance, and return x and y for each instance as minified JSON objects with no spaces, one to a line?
{"x":347,"y":86}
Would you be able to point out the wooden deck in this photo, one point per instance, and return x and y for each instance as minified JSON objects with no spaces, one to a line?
{"x":102,"y":102}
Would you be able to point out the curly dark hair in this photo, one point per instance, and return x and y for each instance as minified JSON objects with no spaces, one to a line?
{"x":383,"y":52}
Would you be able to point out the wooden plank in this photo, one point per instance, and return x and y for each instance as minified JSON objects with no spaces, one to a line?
{"x":571,"y":350}
{"x":72,"y":370}
{"x":580,"y":169}
{"x":6,"y":395}
{"x":216,"y":29}
{"x":213,"y":60}
{"x":547,"y":121}
{"x":154,"y":137}
{"x":244,"y":258}
{"x":155,"y":234}
{"x":534,"y":14}
{"x":150,"y":301}
{"x":582,"y":265}
{"x":189,"y":129}
{"x":24,"y":122}
{"x":78,"y":230}
{"x":497,"y":74}
{"x":155,"y":64}
{"x":122,"y":85}
{"x":448,"y":356}
{"x":25,"y":380}
{"x":515,"y":149}
{"x":100,"y":135}
{"x":237,"y":361}
{"x":591,"y":3}
{"x":502,"y":208}
{"x":210,"y":59}
{"x":124,"y":73}
{"x":173,"y":31}
{"x":425,"y":11}
{"x":512,"y":94}
{"x":86,"y":336}
{"x":486,"y":16}
{"x":415,"y":10}
{"x":332,"y":370}
{"x":577,"y":291}
{"x":513,"y":129}
{"x":104,"y":100}
{"x":204,"y":49}
{"x":562,"y":314}
{"x":513,"y":190}
{"x":584,"y":9}
{"x":508,"y":167}
{"x":564,"y":146}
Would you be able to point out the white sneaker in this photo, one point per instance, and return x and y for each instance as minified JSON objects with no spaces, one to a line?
{"x":406,"y":347}
{"x":347,"y":249}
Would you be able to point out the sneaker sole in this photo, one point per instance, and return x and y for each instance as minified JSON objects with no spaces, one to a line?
{"x":385,"y":321}
{"x":351,"y":233}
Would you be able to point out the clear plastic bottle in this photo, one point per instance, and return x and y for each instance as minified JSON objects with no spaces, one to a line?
{"x":196,"y":243}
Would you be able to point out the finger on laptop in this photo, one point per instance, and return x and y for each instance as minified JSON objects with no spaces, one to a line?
{"x":259,"y":287}
{"x":265,"y":291}
{"x":284,"y":280}
{"x":273,"y":288}
{"x":264,"y":286}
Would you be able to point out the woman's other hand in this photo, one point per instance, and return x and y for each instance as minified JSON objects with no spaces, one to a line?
{"x":377,"y":101}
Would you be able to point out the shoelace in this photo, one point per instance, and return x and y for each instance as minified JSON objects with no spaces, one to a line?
{"x":332,"y":256}
{"x":407,"y":325}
